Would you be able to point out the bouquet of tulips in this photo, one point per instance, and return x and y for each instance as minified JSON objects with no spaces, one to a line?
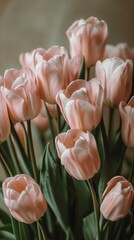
{"x":67,"y":140}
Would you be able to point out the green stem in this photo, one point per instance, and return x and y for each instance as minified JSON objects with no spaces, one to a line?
{"x":39,"y":231}
{"x":31,"y":149}
{"x":42,"y":230}
{"x":58,"y":119}
{"x":131,"y":176}
{"x":52,"y":130}
{"x":14,"y":156}
{"x":110,"y":123}
{"x":24,"y":158}
{"x":105,"y":226}
{"x":7,"y":170}
{"x":88,"y":74}
{"x":6,"y":161}
{"x":95,"y":205}
{"x":105,"y":139}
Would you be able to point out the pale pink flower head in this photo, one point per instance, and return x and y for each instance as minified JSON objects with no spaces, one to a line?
{"x":81,"y":104}
{"x":78,"y":153}
{"x":53,"y":68}
{"x":55,"y":72}
{"x":5,"y":128}
{"x":121,"y":50}
{"x":88,"y":38}
{"x":117,"y":199}
{"x":127,"y":117}
{"x":31,"y":59}
{"x":116,"y":77}
{"x":23,"y":197}
{"x":20,"y":92}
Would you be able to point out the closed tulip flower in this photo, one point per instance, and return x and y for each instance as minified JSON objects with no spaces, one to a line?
{"x":20,"y":92}
{"x":81,"y":104}
{"x":53,"y":68}
{"x":78,"y":153}
{"x":127,"y":117}
{"x":116,"y":78}
{"x":117,"y":199}
{"x":31,"y":59}
{"x":4,"y":120}
{"x":88,"y":38}
{"x":121,"y":50}
{"x":23,"y":197}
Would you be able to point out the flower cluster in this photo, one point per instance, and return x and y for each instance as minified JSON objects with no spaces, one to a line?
{"x":67,"y":140}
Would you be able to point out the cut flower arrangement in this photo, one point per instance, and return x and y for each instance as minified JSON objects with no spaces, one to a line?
{"x":67,"y":140}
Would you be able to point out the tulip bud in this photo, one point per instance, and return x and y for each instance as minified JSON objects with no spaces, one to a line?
{"x":120,"y":50}
{"x":20,"y":92}
{"x":83,"y":99}
{"x":88,"y":38}
{"x":127,"y":117}
{"x":4,"y":120}
{"x":53,"y":68}
{"x":115,"y":76}
{"x":23,"y":197}
{"x":78,"y":153}
{"x":117,"y":199}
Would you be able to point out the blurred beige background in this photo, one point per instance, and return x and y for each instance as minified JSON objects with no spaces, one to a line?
{"x":28,"y":24}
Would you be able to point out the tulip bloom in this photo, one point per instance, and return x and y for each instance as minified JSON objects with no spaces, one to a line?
{"x":78,"y":153}
{"x":117,"y":199}
{"x":81,"y":104}
{"x":88,"y":38}
{"x":116,"y":78}
{"x":53,"y":68}
{"x":23,"y":197}
{"x":127,"y":117}
{"x":20,"y":92}
{"x":4,"y":120}
{"x":120,"y":50}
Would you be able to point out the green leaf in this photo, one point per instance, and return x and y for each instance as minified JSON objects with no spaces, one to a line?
{"x":22,"y":155}
{"x":4,"y":217}
{"x":5,"y":235}
{"x":89,"y":229}
{"x":24,"y":231}
{"x":1,"y":192}
{"x":80,"y":207}
{"x":69,"y":235}
{"x":15,"y":226}
{"x":116,"y":155}
{"x":132,"y":238}
{"x":54,"y":184}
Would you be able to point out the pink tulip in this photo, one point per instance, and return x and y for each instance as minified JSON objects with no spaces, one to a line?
{"x":20,"y":91}
{"x":23,"y":197}
{"x":81,"y":104}
{"x":120,"y":50}
{"x":4,"y":119}
{"x":53,"y":68}
{"x":88,"y":38}
{"x":117,"y":199}
{"x":116,"y":78}
{"x":31,"y":59}
{"x":78,"y":153}
{"x":127,"y":117}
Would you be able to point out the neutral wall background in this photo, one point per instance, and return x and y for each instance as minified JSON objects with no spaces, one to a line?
{"x":27,"y":24}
